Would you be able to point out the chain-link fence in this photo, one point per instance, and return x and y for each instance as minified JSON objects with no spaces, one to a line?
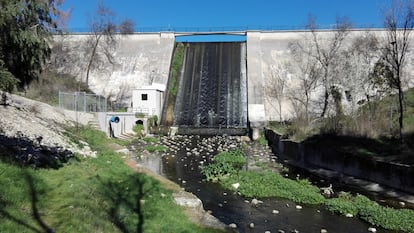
{"x":82,"y":102}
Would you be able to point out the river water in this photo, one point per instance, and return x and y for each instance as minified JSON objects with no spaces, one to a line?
{"x":181,"y":164}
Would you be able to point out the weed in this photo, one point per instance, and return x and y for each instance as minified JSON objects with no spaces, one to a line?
{"x":155,"y":148}
{"x":151,"y":140}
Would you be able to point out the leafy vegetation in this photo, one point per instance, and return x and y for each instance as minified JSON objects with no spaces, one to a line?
{"x":177,"y":62}
{"x":224,"y":165}
{"x":262,"y":139}
{"x":103,"y":190}
{"x":155,"y":148}
{"x":138,"y":128}
{"x":270,"y":184}
{"x":26,"y":26}
{"x":372,"y":212}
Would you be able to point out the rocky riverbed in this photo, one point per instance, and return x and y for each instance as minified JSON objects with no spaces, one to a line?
{"x":186,"y":154}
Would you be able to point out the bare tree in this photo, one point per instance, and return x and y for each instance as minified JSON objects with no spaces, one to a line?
{"x":326,"y":50}
{"x":307,"y":70}
{"x":275,"y":87}
{"x":399,"y":23}
{"x":104,"y":29}
{"x":360,"y":89}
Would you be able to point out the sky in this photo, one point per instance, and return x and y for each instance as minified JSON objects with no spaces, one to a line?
{"x":179,"y":15}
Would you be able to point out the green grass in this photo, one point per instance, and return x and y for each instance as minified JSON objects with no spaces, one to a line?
{"x":151,"y":140}
{"x":155,"y":148}
{"x":87,"y":195}
{"x":262,"y":139}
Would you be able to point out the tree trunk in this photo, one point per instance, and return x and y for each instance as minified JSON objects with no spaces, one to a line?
{"x":326,"y":102}
{"x":95,"y":46}
{"x":401,"y":111}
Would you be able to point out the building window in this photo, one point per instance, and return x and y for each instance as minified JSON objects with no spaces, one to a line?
{"x":144,"y":96}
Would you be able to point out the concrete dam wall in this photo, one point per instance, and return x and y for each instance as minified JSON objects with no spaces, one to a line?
{"x":139,"y":60}
{"x":212,"y":91}
{"x":132,"y":62}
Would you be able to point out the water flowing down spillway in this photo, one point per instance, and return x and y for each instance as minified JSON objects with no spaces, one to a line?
{"x":212,"y":90}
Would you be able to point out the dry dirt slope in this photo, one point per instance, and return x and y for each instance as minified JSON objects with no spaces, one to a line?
{"x":35,"y":121}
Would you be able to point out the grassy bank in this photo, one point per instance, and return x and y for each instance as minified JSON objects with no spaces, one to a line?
{"x":87,"y":195}
{"x":269,"y":184}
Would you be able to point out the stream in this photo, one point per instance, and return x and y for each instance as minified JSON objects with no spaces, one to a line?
{"x":181,"y":164}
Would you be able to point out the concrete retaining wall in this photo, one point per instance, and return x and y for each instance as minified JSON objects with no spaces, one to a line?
{"x":305,"y":155}
{"x":126,"y":122}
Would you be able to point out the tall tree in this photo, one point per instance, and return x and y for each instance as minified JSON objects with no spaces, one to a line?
{"x":25,"y":27}
{"x":104,"y":29}
{"x":326,"y":50}
{"x":399,"y":23}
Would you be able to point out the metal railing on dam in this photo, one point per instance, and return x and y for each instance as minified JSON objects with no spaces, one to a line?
{"x":233,"y":30}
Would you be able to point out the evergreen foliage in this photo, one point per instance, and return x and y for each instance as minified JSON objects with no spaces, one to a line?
{"x":25,"y":26}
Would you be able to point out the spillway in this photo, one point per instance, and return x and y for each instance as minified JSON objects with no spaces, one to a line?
{"x":212,"y":89}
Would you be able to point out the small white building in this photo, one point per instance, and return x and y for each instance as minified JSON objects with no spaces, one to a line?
{"x":148,"y":100}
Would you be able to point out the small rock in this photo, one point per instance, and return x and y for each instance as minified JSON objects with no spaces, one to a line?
{"x":244,"y":139}
{"x":220,"y":205}
{"x":275,"y":212}
{"x":233,"y":225}
{"x":267,"y":232}
{"x":298,"y":207}
{"x":236,"y":185}
{"x":255,"y":202}
{"x":324,"y":230}
{"x":401,"y":203}
{"x":372,"y":229}
{"x":295,"y":231}
{"x":281,"y":231}
{"x":251,"y":225}
{"x":349,"y":215}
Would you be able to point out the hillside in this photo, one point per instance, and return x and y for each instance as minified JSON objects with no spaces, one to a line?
{"x":29,"y":126}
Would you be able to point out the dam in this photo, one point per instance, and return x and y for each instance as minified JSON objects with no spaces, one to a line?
{"x":235,"y":97}
{"x":212,"y":91}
